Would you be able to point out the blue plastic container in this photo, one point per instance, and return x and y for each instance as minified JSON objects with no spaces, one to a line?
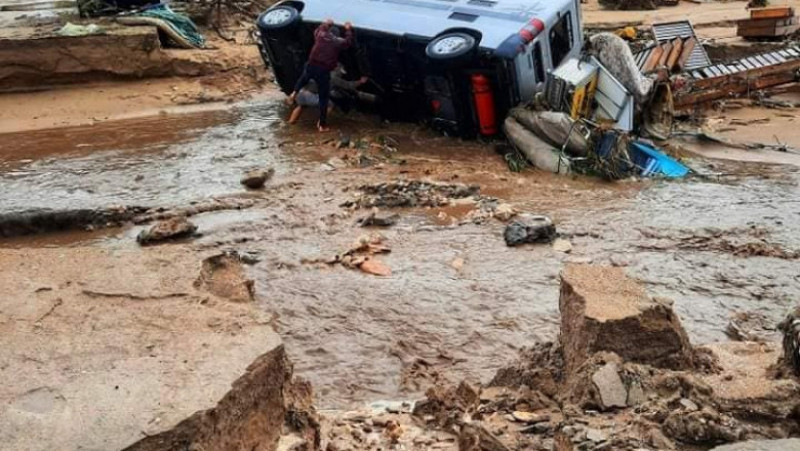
{"x":652,"y":161}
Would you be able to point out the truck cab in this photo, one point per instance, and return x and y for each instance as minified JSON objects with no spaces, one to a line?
{"x":458,"y":65}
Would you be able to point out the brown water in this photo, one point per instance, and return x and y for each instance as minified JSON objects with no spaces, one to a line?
{"x":359,"y":337}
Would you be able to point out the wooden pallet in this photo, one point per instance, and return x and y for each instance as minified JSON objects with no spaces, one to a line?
{"x":740,"y":76}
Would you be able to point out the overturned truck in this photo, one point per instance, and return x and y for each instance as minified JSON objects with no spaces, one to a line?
{"x":459,"y":65}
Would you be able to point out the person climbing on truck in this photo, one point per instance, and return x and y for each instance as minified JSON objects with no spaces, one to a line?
{"x":324,"y":58}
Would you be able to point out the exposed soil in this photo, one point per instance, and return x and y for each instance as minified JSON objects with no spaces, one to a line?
{"x":435,"y":298}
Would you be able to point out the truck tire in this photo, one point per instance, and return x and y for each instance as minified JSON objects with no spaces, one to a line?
{"x":279,"y":19}
{"x":454,"y":47}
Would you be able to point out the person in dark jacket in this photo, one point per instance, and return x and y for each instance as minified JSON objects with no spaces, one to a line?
{"x":323,"y":60}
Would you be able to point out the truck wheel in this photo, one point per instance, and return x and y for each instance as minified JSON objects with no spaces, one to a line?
{"x":278,"y":19}
{"x":451,"y":48}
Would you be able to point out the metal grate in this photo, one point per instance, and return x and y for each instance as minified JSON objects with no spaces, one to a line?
{"x":748,"y":63}
{"x":682,"y":29}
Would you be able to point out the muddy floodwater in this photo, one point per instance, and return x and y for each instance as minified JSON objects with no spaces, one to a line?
{"x":459,"y":303}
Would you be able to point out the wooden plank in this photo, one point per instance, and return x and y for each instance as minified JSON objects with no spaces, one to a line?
{"x":667,"y":46}
{"x":732,"y":85}
{"x":652,"y":61}
{"x":686,"y":53}
{"x":768,"y":22}
{"x":771,"y":12}
{"x":766,"y":32}
{"x":674,"y":54}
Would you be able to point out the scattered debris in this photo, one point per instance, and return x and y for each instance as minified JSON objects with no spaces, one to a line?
{"x":376,"y":219}
{"x":224,"y":276}
{"x":769,"y":22}
{"x":256,"y":179}
{"x":71,"y":29}
{"x":168,"y":229}
{"x":375,"y":267}
{"x":43,"y":221}
{"x":588,"y":402}
{"x":528,"y":228}
{"x":361,"y":256}
{"x":562,"y":245}
{"x":410,"y":194}
{"x":750,"y":326}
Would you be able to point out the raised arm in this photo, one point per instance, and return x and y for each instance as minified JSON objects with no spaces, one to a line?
{"x":349,"y":36}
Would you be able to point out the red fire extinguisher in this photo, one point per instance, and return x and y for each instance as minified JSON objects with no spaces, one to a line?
{"x":484,"y":104}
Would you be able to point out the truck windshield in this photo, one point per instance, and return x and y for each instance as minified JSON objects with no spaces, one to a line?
{"x":561,"y":39}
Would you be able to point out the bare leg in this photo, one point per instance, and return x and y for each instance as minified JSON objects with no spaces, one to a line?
{"x":295,"y":116}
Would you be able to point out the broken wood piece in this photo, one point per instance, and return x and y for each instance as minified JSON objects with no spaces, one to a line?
{"x":686,"y":53}
{"x":772,"y":12}
{"x":713,"y":88}
{"x":675,"y":53}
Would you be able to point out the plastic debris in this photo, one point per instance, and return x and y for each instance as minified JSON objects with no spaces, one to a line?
{"x":71,"y":29}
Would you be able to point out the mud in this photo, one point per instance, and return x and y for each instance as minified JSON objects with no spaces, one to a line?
{"x":458,"y":297}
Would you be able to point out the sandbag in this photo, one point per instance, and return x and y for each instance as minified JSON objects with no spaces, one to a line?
{"x":554,"y":127}
{"x":539,"y":153}
{"x":614,"y":54}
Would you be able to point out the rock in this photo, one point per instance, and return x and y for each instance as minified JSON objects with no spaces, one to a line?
{"x":457,"y":264}
{"x":375,"y":267}
{"x":604,"y":310}
{"x":658,"y":440}
{"x":791,"y":340}
{"x":337,"y":163}
{"x":256,"y":179}
{"x":596,"y":435}
{"x":792,"y":444}
{"x":689,"y":405}
{"x":223,"y":276}
{"x":528,"y":228}
{"x":170,"y":229}
{"x":705,"y":426}
{"x":393,"y":431}
{"x":375,"y":219}
{"x":529,"y":417}
{"x":610,"y":386}
{"x":561,"y":245}
{"x":468,"y":394}
{"x":475,"y":437}
{"x":505,"y":212}
{"x":636,"y":394}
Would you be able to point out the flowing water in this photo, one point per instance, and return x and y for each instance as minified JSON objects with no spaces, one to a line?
{"x":459,"y":302}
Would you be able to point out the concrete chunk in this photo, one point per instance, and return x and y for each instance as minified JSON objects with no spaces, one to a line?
{"x":604,"y":310}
